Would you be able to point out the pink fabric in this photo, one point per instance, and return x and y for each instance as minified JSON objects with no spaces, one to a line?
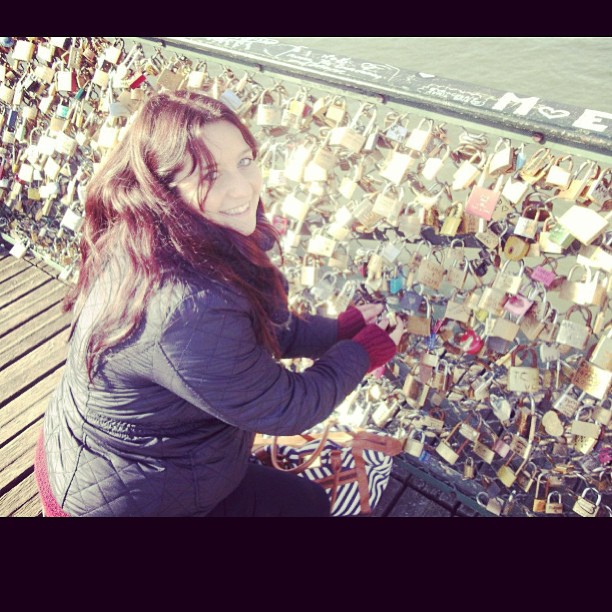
{"x":50,"y":506}
{"x":350,"y":322}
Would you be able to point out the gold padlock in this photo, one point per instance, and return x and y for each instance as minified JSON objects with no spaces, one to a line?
{"x":585,"y":507}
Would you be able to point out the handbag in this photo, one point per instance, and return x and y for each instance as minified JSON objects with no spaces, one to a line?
{"x":353,"y":466}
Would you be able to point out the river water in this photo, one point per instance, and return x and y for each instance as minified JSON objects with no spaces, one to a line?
{"x":571,"y":70}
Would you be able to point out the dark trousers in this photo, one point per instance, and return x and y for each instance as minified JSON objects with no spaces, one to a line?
{"x":266,"y":491}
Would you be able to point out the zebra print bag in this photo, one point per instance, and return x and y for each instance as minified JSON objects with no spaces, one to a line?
{"x":354,"y":467}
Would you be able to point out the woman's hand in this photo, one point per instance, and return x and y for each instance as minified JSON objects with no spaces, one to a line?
{"x":370,"y":312}
{"x":398,"y":331}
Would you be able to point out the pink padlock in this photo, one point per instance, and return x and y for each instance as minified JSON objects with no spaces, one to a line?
{"x":518,"y":304}
{"x":470,"y":342}
{"x":544,"y":276}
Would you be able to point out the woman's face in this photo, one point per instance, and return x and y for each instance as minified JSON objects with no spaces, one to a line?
{"x":234,"y":189}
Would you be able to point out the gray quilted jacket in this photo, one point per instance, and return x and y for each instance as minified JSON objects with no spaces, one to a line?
{"x":167,"y":426}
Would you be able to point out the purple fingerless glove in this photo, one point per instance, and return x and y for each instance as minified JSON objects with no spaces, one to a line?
{"x":377,"y":343}
{"x":350,"y":322}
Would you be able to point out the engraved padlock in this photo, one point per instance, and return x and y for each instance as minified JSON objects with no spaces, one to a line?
{"x":415,"y":443}
{"x":554,"y":506}
{"x":524,"y":379}
{"x":587,"y":508}
{"x":574,"y":333}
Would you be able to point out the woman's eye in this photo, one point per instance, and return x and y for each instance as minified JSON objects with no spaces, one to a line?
{"x":213,"y":175}
{"x":246,"y":161}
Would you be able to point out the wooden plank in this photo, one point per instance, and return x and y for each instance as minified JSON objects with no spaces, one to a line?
{"x":12,"y":266}
{"x":42,"y":360}
{"x":36,"y":302}
{"x":23,"y":283}
{"x":22,"y":500}
{"x":17,"y":456}
{"x":32,"y":334}
{"x":28,"y":407}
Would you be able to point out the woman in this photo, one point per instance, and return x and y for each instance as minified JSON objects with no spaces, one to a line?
{"x":180,"y":318}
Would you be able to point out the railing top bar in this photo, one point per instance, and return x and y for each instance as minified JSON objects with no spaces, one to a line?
{"x":584,"y":128}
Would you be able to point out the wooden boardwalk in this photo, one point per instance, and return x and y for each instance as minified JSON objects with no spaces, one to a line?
{"x":33,"y":350}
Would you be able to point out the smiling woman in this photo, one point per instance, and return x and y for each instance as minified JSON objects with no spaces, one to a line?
{"x":232,"y":185}
{"x":180,"y":329}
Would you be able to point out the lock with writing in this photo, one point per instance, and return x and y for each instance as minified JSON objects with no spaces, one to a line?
{"x":585,"y":507}
{"x":482,"y":200}
{"x":524,"y":379}
{"x":558,"y":175}
{"x":599,"y":188}
{"x":470,"y":426}
{"x":554,"y":503}
{"x":593,"y":380}
{"x":430,"y":271}
{"x":575,"y":333}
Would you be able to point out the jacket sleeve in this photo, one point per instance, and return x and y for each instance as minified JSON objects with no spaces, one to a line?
{"x":307,"y":336}
{"x":208,"y":355}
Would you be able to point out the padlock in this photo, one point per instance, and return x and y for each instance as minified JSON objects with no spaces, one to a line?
{"x":336,"y":111}
{"x":23,"y":50}
{"x":507,"y":282}
{"x":524,"y":379}
{"x":324,"y":288}
{"x":344,"y":298}
{"x":353,"y":136}
{"x":435,"y":161}
{"x":587,"y":429}
{"x":539,"y":501}
{"x":527,"y":476}
{"x":482,"y":201}
{"x":430,"y":271}
{"x":384,"y":414}
{"x":298,"y":158}
{"x":588,"y":292}
{"x":420,"y":325}
{"x":527,"y":224}
{"x":469,"y":469}
{"x":601,"y":356}
{"x":396,"y":165}
{"x":582,"y":223}
{"x":481,"y":449}
{"x":514,"y":190}
{"x":502,"y":445}
{"x":468,"y":171}
{"x":419,"y":138}
{"x":388,"y":204}
{"x":452,"y":220}
{"x":445,"y":449}
{"x":494,"y":505}
{"x":559,"y":176}
{"x":586,"y":507}
{"x":573,"y":333}
{"x":504,"y":328}
{"x":537,"y":166}
{"x":599,"y":189}
{"x":414,"y":446}
{"x":554,"y":507}
{"x":502,"y":159}
{"x":506,"y":474}
{"x":579,"y":181}
{"x":309,"y":267}
{"x":552,"y":424}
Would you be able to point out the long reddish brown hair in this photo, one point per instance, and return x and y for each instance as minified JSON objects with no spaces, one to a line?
{"x":133,"y":214}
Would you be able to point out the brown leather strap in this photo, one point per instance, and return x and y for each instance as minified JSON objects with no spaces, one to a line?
{"x":362,"y":481}
{"x":299,"y":468}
